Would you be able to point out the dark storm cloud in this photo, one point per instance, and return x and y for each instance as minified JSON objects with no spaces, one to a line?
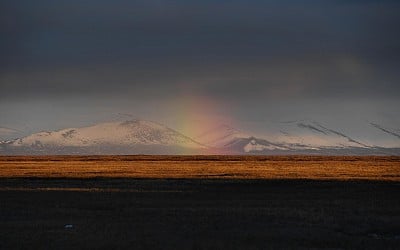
{"x":226,"y":49}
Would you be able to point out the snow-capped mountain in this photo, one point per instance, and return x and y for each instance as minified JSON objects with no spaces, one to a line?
{"x":145,"y":137}
{"x":129,"y":137}
{"x":305,"y":137}
{"x":226,"y":139}
{"x":316,"y":134}
{"x":220,"y":136}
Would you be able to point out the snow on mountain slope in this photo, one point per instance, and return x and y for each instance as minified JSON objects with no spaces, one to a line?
{"x":135,"y":132}
{"x":303,"y":137}
{"x":232,"y":140}
{"x":383,"y":136}
{"x":253,"y":144}
{"x":361,"y":134}
{"x":313,"y":135}
{"x":145,"y":137}
{"x":220,"y":136}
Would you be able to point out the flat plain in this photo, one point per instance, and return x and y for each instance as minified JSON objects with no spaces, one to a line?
{"x":204,"y":167}
{"x":199,"y":202}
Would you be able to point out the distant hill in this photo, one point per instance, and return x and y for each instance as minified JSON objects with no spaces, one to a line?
{"x":146,"y":137}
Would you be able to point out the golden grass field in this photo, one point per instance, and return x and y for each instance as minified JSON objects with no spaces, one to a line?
{"x":204,"y":167}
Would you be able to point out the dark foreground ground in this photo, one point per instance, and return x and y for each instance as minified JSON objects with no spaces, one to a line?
{"x":108,"y":213}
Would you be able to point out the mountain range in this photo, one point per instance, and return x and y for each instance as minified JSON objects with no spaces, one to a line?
{"x":147,"y":137}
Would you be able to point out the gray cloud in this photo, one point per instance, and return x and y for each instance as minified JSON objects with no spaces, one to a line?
{"x":233,"y":51}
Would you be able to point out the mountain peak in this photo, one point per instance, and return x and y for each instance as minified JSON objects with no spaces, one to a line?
{"x":148,"y":137}
{"x":103,"y":136}
{"x":220,"y":135}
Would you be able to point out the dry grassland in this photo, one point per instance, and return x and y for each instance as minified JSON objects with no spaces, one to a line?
{"x":203,"y":167}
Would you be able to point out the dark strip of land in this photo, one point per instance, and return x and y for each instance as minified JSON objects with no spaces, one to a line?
{"x":124,"y":213}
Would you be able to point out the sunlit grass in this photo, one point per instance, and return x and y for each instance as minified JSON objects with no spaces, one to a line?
{"x":232,"y":167}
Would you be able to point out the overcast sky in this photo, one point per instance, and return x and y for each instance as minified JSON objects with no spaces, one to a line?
{"x":72,"y":63}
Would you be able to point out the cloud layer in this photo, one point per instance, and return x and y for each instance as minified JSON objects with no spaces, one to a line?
{"x":240,"y":53}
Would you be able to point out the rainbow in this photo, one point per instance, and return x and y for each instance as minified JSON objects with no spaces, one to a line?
{"x":197,"y":114}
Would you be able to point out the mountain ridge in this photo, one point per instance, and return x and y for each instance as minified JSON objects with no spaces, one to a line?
{"x":147,"y":137}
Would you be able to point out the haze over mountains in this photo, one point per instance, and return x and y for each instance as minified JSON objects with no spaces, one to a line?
{"x":146,"y":137}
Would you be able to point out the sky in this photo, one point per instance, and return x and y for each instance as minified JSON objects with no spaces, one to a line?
{"x":74,"y":63}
